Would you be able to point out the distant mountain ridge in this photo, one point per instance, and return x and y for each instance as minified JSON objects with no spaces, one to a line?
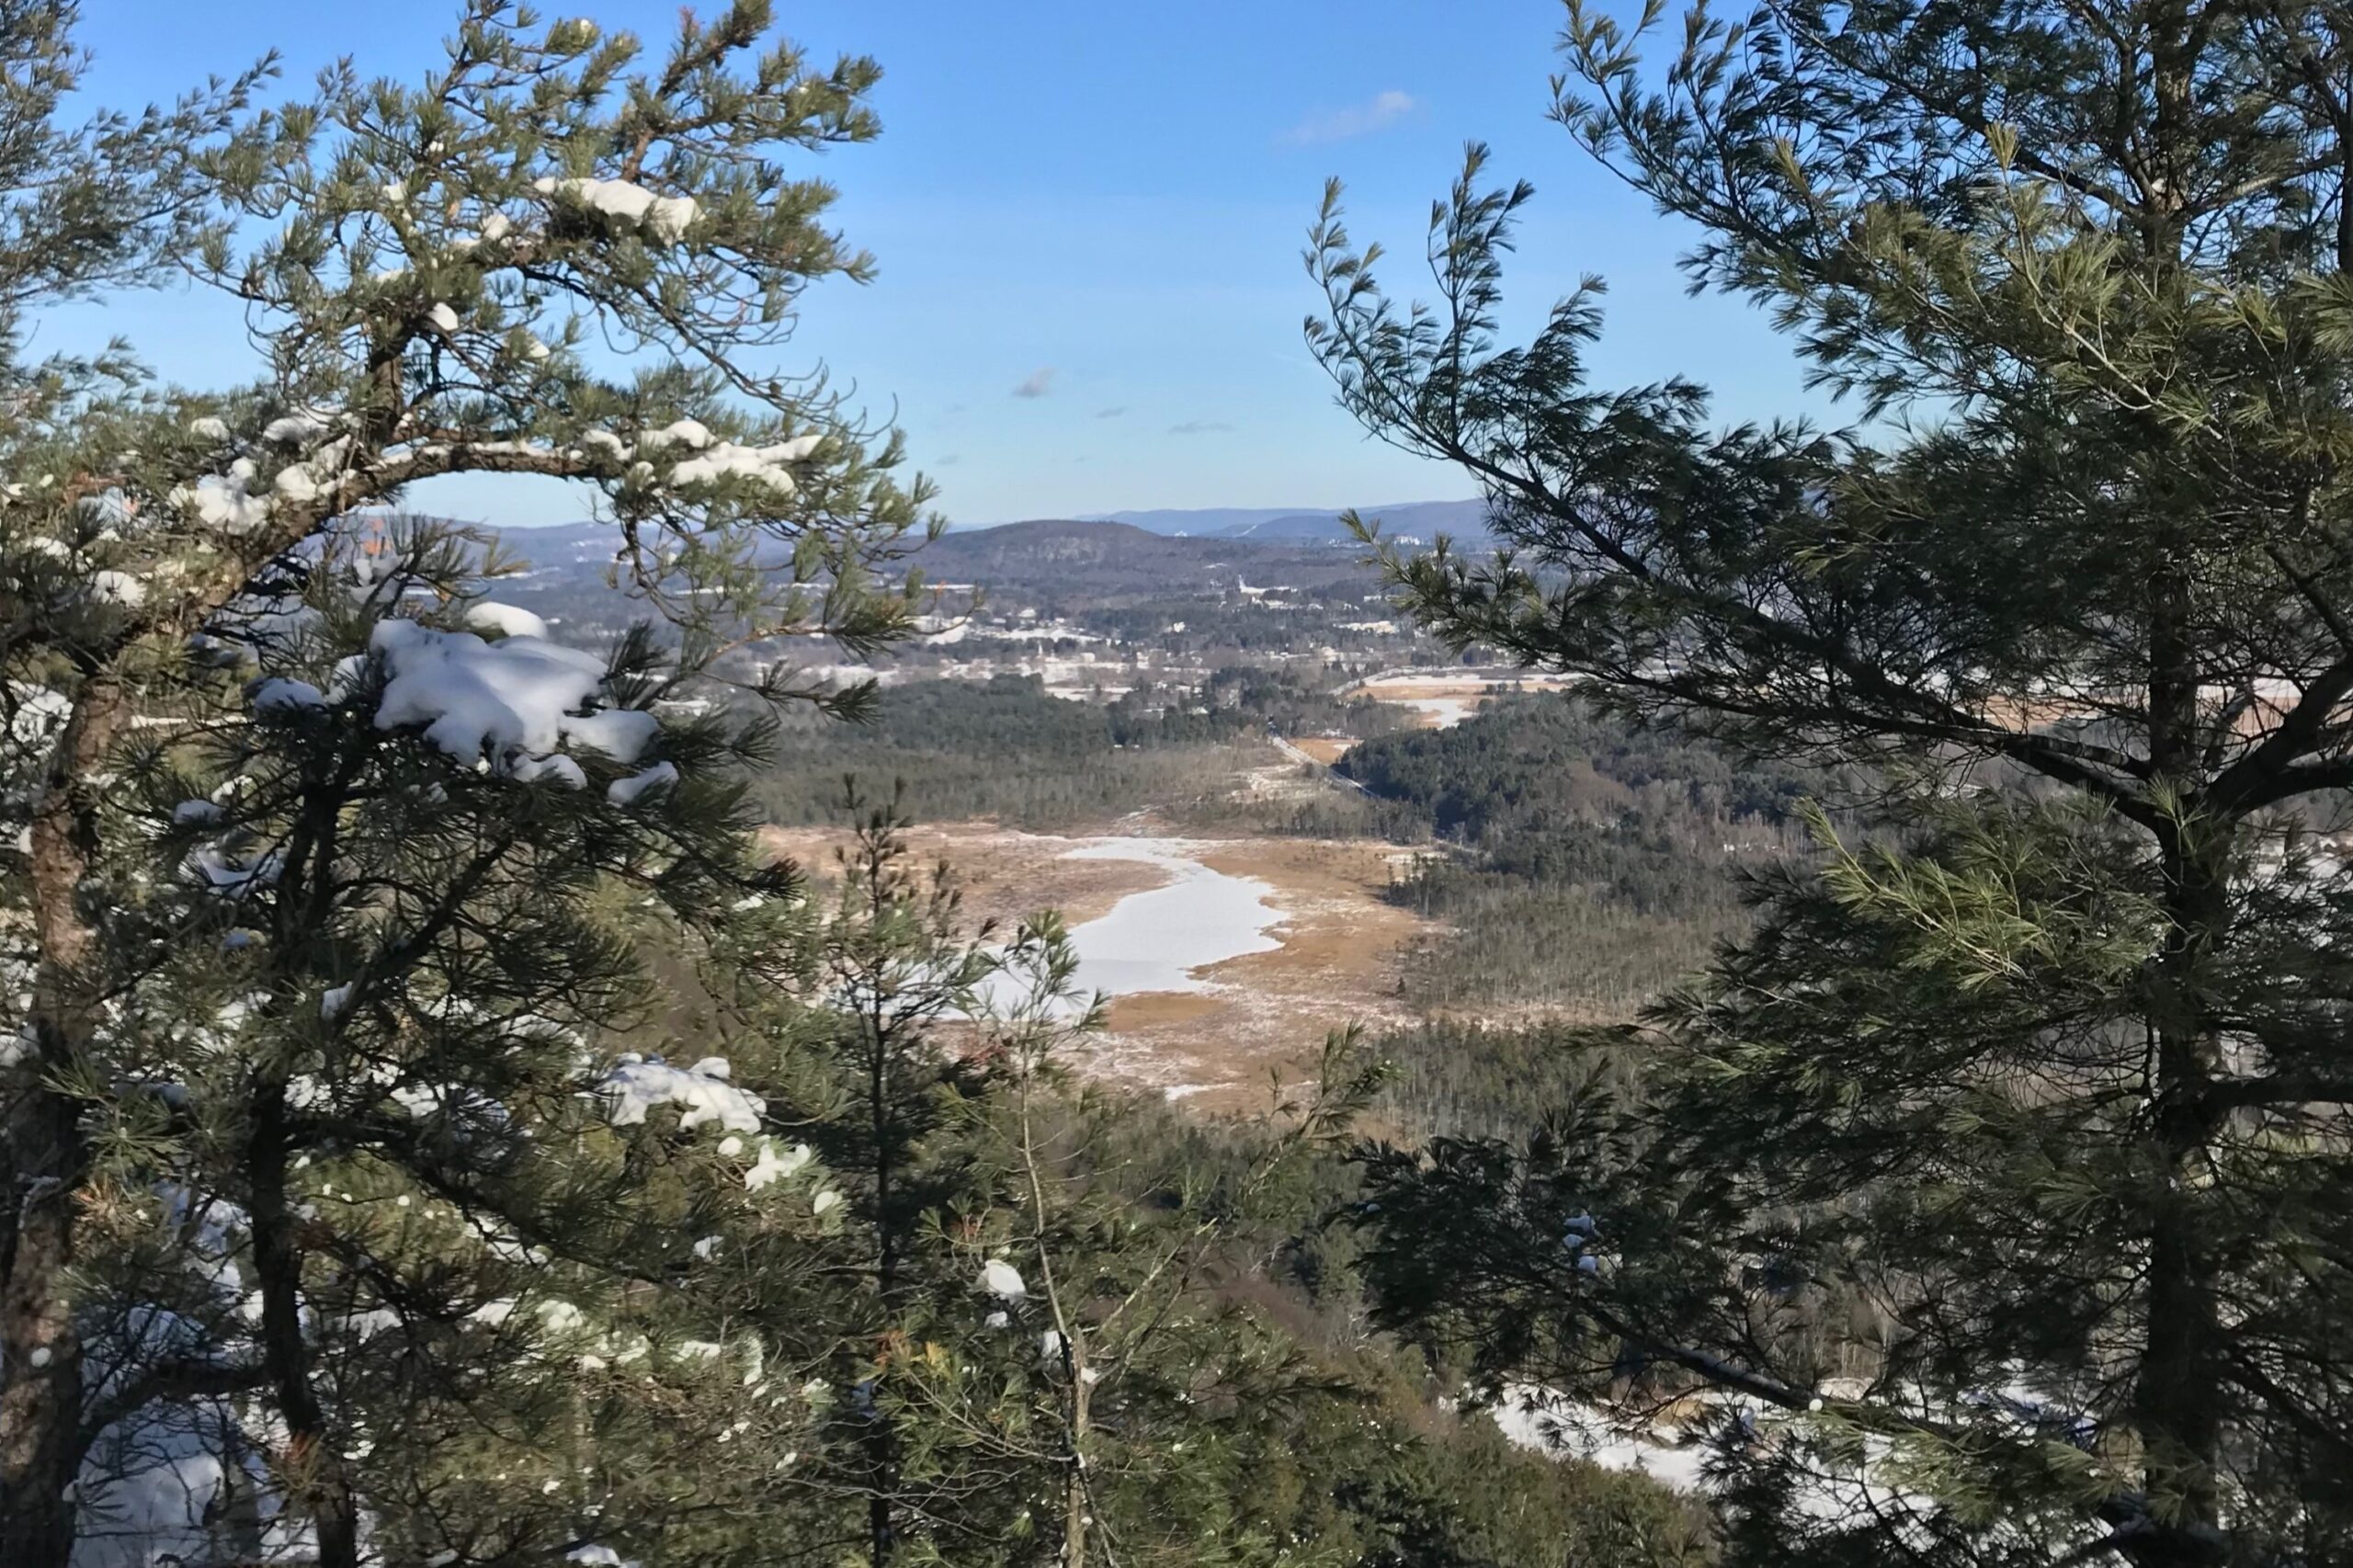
{"x":1054,"y":562}
{"x":1059,"y":559}
{"x":1415,"y":520}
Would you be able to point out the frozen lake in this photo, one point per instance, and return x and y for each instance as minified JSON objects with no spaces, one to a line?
{"x":1153,"y":940}
{"x":1156,"y":939}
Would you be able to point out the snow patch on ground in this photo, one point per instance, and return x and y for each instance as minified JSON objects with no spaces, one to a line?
{"x":1535,"y":1417}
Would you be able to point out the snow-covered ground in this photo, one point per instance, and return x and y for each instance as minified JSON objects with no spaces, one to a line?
{"x":1444,"y":712}
{"x":1444,"y":697}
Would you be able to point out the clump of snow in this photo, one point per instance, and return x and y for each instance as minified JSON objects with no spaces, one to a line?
{"x":208,"y":428}
{"x":226,"y":875}
{"x":560,"y":769}
{"x":638,"y":1084}
{"x":725,"y":460}
{"x":666,"y":218}
{"x":617,"y":733}
{"x":508,"y":620}
{"x":334,"y":1003}
{"x":188,"y":812}
{"x":442,"y":316}
{"x":278,"y":694}
{"x":118,"y":588}
{"x":306,"y":481}
{"x":516,"y":694}
{"x":594,"y":1556}
{"x":38,"y":712}
{"x":225,"y":501}
{"x":1001,"y":1280}
{"x":625,"y":791}
{"x":771,"y":1167}
{"x":692,"y":434}
{"x":302,"y":425}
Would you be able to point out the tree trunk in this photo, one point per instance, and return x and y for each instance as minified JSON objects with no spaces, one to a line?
{"x":2177,"y":1397}
{"x":882,"y":1441}
{"x":41,"y":1404}
{"x":316,"y":1481}
{"x":1078,"y":1511}
{"x":43,"y":1157}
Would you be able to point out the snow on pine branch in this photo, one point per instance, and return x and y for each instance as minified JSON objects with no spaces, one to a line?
{"x":638,"y":1084}
{"x":520,"y":698}
{"x":664,"y":217}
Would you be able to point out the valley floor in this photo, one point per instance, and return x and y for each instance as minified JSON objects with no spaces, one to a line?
{"x":1211,"y":1033}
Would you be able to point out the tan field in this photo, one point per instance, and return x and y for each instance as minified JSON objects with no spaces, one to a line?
{"x":1325,"y":749}
{"x":1263,"y":1013}
{"x":1338,"y":964}
{"x":1440,"y":700}
{"x":1005,"y":874}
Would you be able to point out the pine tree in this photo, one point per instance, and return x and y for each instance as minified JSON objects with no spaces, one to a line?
{"x":894,"y":970}
{"x":376,"y":1046}
{"x":2008,"y":1156}
{"x":417,"y":820}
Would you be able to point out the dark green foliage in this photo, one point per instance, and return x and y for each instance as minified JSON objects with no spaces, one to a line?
{"x":1604,"y":861}
{"x":1007,"y":749}
{"x":1551,"y":791}
{"x":1004,"y":748}
{"x":1456,"y":1079}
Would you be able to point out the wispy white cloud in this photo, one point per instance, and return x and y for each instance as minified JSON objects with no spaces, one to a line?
{"x":1358,"y":120}
{"x":1110,"y":412}
{"x":1037,"y":383}
{"x":1199,"y":427}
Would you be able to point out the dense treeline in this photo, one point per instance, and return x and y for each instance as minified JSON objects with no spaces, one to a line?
{"x":1598,"y":863}
{"x":1007,"y":749}
{"x":1534,"y":779}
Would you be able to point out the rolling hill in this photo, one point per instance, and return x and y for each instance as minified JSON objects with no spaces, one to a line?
{"x":1057,"y":564}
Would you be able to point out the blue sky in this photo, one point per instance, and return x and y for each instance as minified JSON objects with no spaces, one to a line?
{"x":1101,"y":205}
